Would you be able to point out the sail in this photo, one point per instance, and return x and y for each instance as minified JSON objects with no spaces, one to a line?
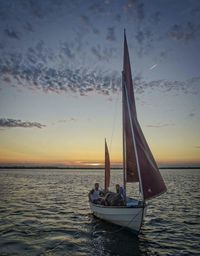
{"x":107,"y":167}
{"x":130,"y":160}
{"x":151,"y":181}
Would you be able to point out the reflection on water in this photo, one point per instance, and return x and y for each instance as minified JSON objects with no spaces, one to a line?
{"x":46,"y":212}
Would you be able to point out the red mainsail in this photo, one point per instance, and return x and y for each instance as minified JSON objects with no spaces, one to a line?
{"x":130,"y":163}
{"x":140,"y":163}
{"x":107,"y":167}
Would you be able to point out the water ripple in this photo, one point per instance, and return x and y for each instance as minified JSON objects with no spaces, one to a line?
{"x":46,"y":212}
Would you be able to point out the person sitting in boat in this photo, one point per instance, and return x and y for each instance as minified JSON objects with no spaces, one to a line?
{"x":119,"y":197}
{"x":115,"y":199}
{"x":108,"y":199}
{"x":95,"y":195}
{"x":122,"y":192}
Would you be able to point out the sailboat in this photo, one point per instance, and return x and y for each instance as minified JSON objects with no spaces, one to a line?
{"x":139,"y":164}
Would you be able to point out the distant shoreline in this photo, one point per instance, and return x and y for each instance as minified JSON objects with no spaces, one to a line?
{"x":86,"y":168}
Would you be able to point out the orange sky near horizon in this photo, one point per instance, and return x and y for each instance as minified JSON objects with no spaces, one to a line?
{"x":80,"y":141}
{"x":38,"y":148}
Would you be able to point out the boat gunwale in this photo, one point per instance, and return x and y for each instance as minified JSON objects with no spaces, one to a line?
{"x":119,"y":207}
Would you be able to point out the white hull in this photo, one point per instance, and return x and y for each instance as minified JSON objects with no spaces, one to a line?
{"x":128,"y":217}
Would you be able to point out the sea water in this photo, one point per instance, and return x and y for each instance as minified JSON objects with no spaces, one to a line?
{"x":46,"y":212}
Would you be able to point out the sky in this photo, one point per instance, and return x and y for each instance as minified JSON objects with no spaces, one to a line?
{"x":60,"y":79}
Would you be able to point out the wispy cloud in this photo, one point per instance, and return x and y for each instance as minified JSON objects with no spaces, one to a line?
{"x":155,"y":17}
{"x":184,"y":32}
{"x":66,"y":67}
{"x":140,"y":10}
{"x":12,"y":123}
{"x":111,"y":34}
{"x":85,"y":19}
{"x":160,"y":125}
{"x":191,"y":114}
{"x":189,"y":86}
{"x":33,"y":73}
{"x":67,"y":50}
{"x":97,"y":8}
{"x":71,"y":119}
{"x":29,"y":27}
{"x":135,"y":6}
{"x":103,"y":54}
{"x":12,"y":34}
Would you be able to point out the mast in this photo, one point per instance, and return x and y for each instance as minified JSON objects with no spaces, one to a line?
{"x":123,"y":139}
{"x":134,"y":142}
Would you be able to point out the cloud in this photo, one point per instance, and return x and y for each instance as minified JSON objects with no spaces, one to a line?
{"x":11,"y":123}
{"x":97,"y":8}
{"x":64,"y":68}
{"x":146,"y":40}
{"x":111,"y":34}
{"x":159,"y":125}
{"x":191,"y":114}
{"x":129,"y":5}
{"x":85,"y":19}
{"x":71,"y":119}
{"x":102,"y":54}
{"x":156,"y":17}
{"x":184,"y":32}
{"x":195,"y":11}
{"x":2,"y":45}
{"x":12,"y":34}
{"x":67,"y":50}
{"x":140,"y":36}
{"x":38,"y":9}
{"x":96,"y":52}
{"x":137,"y":6}
{"x":49,"y":79}
{"x":28,"y":27}
{"x":118,"y":17}
{"x":35,"y":71}
{"x":96,"y":31}
{"x":57,"y":71}
{"x":189,"y":86}
{"x":140,"y":10}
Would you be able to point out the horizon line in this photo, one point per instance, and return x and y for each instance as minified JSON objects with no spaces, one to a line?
{"x":90,"y":167}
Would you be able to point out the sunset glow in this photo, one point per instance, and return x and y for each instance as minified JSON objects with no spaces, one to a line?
{"x":60,"y":83}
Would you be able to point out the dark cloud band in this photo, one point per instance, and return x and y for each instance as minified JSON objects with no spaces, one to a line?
{"x":11,"y":123}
